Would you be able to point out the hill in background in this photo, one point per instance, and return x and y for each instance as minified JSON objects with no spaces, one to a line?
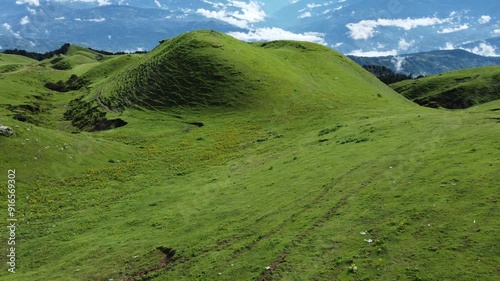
{"x":429,"y":63}
{"x":454,"y":90}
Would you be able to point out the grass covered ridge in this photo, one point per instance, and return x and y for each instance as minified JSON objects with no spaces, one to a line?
{"x":454,"y":90}
{"x":329,"y":182}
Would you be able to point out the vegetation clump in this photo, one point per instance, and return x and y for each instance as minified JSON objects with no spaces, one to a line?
{"x":72,"y":84}
{"x":63,"y":50}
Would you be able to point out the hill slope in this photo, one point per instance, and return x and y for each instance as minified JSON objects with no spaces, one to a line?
{"x":209,"y":68}
{"x":453,"y":90}
{"x":330,"y":182}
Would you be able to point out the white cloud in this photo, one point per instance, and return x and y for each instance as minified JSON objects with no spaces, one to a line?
{"x":25,"y":20}
{"x":366,"y":28}
{"x":405,"y":45}
{"x":100,"y":2}
{"x":398,"y":63}
{"x":448,"y":46}
{"x":496,"y":31}
{"x":222,"y":15}
{"x":274,"y":33}
{"x":484,"y":19}
{"x":251,"y":12}
{"x":454,"y":29}
{"x":31,"y":11}
{"x":336,"y":45}
{"x":361,"y":53}
{"x":60,"y":18}
{"x":484,"y":49}
{"x":91,"y":20}
{"x":305,"y":15}
{"x":248,"y":13}
{"x":311,"y":6}
{"x":29,"y":2}
{"x":158,"y":3}
{"x":7,"y":27}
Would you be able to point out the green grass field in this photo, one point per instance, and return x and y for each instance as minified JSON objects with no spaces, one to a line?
{"x":454,"y":90}
{"x":315,"y":171}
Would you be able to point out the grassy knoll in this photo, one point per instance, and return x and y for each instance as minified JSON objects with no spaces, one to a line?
{"x":454,"y":90}
{"x":276,"y":184}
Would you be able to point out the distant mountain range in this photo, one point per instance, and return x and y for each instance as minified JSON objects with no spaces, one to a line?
{"x":356,"y":27}
{"x":428,"y":63}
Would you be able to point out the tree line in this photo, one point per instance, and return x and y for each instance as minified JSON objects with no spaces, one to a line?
{"x":386,"y":75}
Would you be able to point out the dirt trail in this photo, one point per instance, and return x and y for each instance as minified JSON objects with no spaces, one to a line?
{"x":99,"y":101}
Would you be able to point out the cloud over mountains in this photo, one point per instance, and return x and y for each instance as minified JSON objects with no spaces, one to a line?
{"x":350,"y":26}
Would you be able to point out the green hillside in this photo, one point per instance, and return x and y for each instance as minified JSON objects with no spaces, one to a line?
{"x":212,"y":69}
{"x":454,"y":90}
{"x":11,"y":63}
{"x":277,"y":161}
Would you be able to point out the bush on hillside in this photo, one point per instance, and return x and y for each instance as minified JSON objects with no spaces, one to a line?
{"x":74,"y":83}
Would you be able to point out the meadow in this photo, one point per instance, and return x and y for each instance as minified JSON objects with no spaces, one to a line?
{"x":264,"y":161}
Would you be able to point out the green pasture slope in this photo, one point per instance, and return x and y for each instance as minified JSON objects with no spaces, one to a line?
{"x":454,"y":90}
{"x":265,"y":161}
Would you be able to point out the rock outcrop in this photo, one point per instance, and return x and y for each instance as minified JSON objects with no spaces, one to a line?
{"x":6,"y":131}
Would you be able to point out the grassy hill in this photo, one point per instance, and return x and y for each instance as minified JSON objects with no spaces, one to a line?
{"x":340,"y":180}
{"x":453,"y":90}
{"x":209,"y":68}
{"x":11,"y":63}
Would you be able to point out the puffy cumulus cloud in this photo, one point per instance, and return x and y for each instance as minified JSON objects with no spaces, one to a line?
{"x":448,"y":46}
{"x":25,"y":20}
{"x":454,"y":29}
{"x":483,"y":49}
{"x":405,"y":45}
{"x":29,"y":2}
{"x":248,"y":13}
{"x":336,"y":45}
{"x":373,"y":53}
{"x":31,"y":11}
{"x":274,"y":33}
{"x":251,"y":11}
{"x":7,"y":27}
{"x":484,"y":19}
{"x":222,"y":15}
{"x":496,"y":31}
{"x":305,"y":15}
{"x":366,"y":29}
